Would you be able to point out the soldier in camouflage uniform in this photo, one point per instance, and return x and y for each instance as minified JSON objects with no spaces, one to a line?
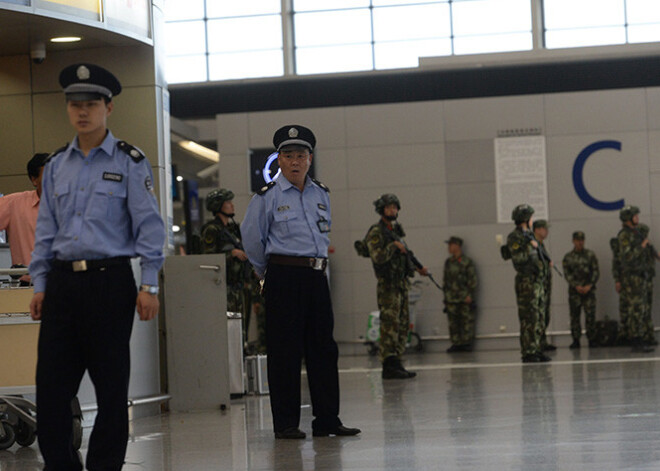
{"x":633,"y":277}
{"x":531,"y":272}
{"x":623,"y":335}
{"x":460,"y":282}
{"x":393,"y":268}
{"x":222,"y":235}
{"x":581,"y":272}
{"x":649,"y":274}
{"x":540,"y":228}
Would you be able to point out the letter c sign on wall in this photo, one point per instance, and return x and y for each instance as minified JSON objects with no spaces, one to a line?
{"x":578,"y":180}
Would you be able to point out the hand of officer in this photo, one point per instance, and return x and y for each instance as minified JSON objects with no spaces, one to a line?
{"x":147,"y":305}
{"x":35,"y":306}
{"x":400,"y":246}
{"x":239,"y":254}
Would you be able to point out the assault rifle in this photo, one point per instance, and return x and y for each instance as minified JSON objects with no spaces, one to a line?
{"x":540,"y":249}
{"x":410,"y":255}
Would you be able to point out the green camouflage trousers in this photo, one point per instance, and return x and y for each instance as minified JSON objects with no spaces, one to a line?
{"x":577,"y":302}
{"x":461,"y":323}
{"x":546,"y":310}
{"x":394,"y":319}
{"x":634,"y":294}
{"x":239,"y":299}
{"x":530,"y":295}
{"x":649,"y":328}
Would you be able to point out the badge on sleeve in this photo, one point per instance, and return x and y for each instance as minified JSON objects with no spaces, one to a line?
{"x":324,"y":225}
{"x":148,"y":184}
{"x":322,"y":207}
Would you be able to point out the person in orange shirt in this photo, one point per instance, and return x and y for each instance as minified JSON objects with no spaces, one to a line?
{"x":18,"y":216}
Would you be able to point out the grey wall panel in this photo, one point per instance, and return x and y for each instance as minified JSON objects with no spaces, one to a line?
{"x":653,"y":107}
{"x":16,"y":136}
{"x":482,"y":118}
{"x":609,"y":175}
{"x":332,"y":169}
{"x":594,"y":112}
{"x":339,"y":204}
{"x":393,"y":124}
{"x":654,"y":151}
{"x":391,"y":166}
{"x":471,"y":203}
{"x":490,"y":320}
{"x":470,"y":161}
{"x":234,"y":172}
{"x":14,"y":75}
{"x":232,"y":132}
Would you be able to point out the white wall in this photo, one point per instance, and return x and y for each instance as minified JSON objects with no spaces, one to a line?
{"x":438,"y":157}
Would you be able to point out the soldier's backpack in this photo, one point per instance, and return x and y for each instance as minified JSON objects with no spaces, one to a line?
{"x":614,"y":245}
{"x":361,"y":248}
{"x":607,"y":331}
{"x":505,"y":252}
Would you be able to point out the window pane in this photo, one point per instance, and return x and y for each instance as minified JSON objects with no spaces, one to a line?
{"x":380,"y":3}
{"x":316,"y":29}
{"x":246,"y":65}
{"x":574,"y":14}
{"x":407,"y":53}
{"x":644,"y":33}
{"x":493,"y":43}
{"x":245,"y":34}
{"x":416,"y":22}
{"x":186,"y":37}
{"x":186,"y":69}
{"x":318,"y":5}
{"x":317,"y":60}
{"x":585,"y":37}
{"x":184,"y":10}
{"x":223,"y":9}
{"x":491,"y":16}
{"x":643,"y":11}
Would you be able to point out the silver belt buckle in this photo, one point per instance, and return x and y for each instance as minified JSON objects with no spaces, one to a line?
{"x":79,"y":265}
{"x":318,"y":263}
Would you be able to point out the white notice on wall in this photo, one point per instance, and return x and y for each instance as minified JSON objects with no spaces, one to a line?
{"x":520,"y":176}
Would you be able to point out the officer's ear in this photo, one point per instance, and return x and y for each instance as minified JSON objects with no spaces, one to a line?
{"x":109,"y":107}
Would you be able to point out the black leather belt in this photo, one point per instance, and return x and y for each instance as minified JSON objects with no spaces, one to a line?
{"x":90,"y":265}
{"x":317,"y":263}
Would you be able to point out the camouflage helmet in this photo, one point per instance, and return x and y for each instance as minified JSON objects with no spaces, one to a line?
{"x":385,"y":200}
{"x":522,"y":213}
{"x":627,"y":213}
{"x":216,"y":199}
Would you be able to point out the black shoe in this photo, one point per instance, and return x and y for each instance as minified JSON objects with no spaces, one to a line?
{"x":392,"y":369}
{"x":549,"y":348}
{"x":543,"y":358}
{"x":291,"y":433}
{"x":593,"y":344}
{"x":339,"y":431}
{"x":575,"y":345}
{"x":640,"y":347}
{"x":399,"y":366}
{"x":454,"y":348}
{"x":531,"y":358}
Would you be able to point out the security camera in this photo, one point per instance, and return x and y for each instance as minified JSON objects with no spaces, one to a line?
{"x":38,"y":52}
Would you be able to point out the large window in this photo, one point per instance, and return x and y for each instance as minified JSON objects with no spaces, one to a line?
{"x":570,"y":23}
{"x":221,"y":40}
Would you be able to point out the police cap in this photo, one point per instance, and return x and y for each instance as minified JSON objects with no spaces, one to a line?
{"x":578,"y":235}
{"x":455,"y":240}
{"x":83,"y":82}
{"x":294,"y":135}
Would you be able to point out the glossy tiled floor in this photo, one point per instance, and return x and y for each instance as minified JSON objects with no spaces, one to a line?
{"x":587,"y":410}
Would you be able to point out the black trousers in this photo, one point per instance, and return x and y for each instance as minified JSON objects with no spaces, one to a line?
{"x":299,"y":323}
{"x":86,"y":324}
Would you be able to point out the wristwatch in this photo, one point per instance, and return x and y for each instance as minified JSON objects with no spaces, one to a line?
{"x":149,"y":289}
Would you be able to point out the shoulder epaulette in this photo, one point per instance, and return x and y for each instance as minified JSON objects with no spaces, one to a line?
{"x":264,"y":189}
{"x":321,"y":185}
{"x":61,"y":149}
{"x":133,"y":152}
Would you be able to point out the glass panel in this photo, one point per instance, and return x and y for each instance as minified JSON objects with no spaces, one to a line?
{"x":643,"y":11}
{"x":184,"y":10}
{"x":186,"y":37}
{"x":318,"y":60}
{"x":317,"y":29}
{"x":185,"y":69}
{"x":491,"y":16}
{"x":585,"y":37}
{"x":245,"y":34}
{"x":493,"y":43}
{"x":246,"y":65}
{"x":416,"y":22}
{"x":319,"y":5}
{"x":407,"y":53}
{"x":380,"y":3}
{"x":560,"y":14}
{"x":644,"y":34}
{"x":223,"y":9}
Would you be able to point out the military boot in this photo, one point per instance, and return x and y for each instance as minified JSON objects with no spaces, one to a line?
{"x":639,"y":346}
{"x":411,"y":374}
{"x":391,"y":369}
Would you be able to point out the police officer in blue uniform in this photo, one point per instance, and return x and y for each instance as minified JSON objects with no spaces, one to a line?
{"x":285,"y":235}
{"x":98,"y":210}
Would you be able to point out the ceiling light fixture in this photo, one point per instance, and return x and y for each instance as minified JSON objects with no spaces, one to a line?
{"x":201,"y":151}
{"x":65,"y":39}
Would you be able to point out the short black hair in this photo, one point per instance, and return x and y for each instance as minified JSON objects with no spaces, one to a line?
{"x":36,"y":162}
